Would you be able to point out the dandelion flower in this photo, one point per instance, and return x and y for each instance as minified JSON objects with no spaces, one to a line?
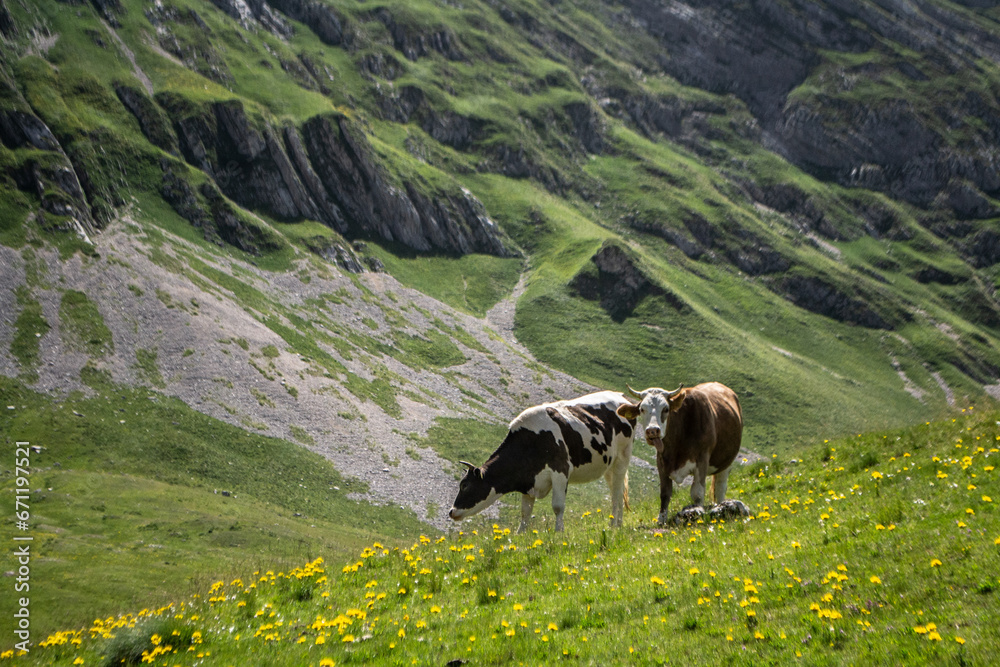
{"x":935,"y":562}
{"x":347,"y":639}
{"x":987,"y":499}
{"x":659,"y":582}
{"x":875,"y":580}
{"x":693,"y":570}
{"x":553,"y":627}
{"x":959,"y":640}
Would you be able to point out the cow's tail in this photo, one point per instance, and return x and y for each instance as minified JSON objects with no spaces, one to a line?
{"x":627,"y":506}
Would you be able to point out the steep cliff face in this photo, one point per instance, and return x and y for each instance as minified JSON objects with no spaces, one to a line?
{"x":374,"y":205}
{"x":800,"y":67}
{"x":325,"y":171}
{"x":45,"y":170}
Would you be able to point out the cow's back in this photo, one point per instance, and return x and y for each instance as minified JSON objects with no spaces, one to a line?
{"x":588,"y":427}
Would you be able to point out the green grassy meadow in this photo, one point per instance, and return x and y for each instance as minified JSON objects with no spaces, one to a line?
{"x":878,"y":548}
{"x":135,"y":496}
{"x":801,"y":373}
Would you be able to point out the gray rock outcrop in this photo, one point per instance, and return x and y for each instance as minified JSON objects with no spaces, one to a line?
{"x":819,"y":296}
{"x":762,"y":51}
{"x":616,"y":281}
{"x":325,"y":171}
{"x":376,"y":206}
{"x":51,"y":175}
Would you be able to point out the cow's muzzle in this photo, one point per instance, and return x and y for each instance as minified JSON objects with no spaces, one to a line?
{"x":454,"y":515}
{"x":653,"y":438}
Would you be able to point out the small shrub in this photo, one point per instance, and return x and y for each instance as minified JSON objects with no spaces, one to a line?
{"x":302,"y":435}
{"x":488,"y":591}
{"x":129,"y":644}
{"x":865,"y":460}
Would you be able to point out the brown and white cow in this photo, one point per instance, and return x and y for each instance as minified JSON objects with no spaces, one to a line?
{"x":695,"y":431}
{"x":548,"y":447}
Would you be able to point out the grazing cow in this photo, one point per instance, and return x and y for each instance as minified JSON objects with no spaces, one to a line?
{"x":695,"y":431}
{"x":548,"y":447}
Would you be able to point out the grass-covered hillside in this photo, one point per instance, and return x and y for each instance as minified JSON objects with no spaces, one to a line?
{"x":877,"y":549}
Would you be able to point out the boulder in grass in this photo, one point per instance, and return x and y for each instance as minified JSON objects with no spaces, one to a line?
{"x":729,"y":509}
{"x":690,"y":514}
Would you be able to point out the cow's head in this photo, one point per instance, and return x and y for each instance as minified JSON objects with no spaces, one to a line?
{"x":653,"y":410}
{"x":474,"y":494}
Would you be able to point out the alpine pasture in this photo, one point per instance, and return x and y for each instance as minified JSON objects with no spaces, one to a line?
{"x":873,"y":549}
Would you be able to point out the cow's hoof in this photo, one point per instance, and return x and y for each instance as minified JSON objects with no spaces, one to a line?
{"x":663,"y":519}
{"x":729,"y":509}
{"x":690,"y":514}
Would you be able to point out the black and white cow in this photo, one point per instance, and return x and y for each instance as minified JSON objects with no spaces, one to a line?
{"x":548,"y":447}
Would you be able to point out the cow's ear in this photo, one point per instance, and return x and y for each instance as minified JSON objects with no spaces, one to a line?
{"x":476,"y":471}
{"x":628,"y":411}
{"x":677,"y":400}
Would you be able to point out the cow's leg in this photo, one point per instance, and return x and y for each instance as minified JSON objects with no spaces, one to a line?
{"x":721,"y":482}
{"x":617,"y":478}
{"x":527,"y":505}
{"x":698,"y":483}
{"x":559,"y":484}
{"x":666,"y":490}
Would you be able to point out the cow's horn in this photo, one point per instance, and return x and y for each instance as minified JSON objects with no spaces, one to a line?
{"x":671,"y":394}
{"x":467,"y":465}
{"x":632,"y":391}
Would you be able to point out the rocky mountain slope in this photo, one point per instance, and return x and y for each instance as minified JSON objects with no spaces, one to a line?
{"x":296,"y":214}
{"x":382,"y":363}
